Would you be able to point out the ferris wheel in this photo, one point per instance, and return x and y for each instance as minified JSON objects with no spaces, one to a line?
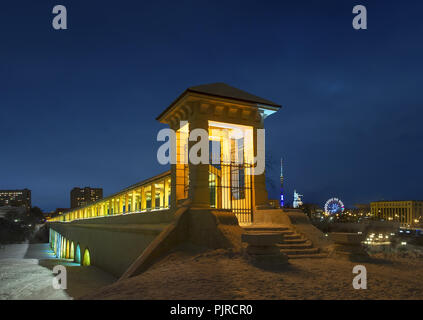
{"x":334,"y":206}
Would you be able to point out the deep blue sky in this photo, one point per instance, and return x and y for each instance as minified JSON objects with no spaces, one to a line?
{"x":78,"y":106}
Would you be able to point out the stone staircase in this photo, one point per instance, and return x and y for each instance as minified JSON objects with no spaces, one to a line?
{"x":294,"y":245}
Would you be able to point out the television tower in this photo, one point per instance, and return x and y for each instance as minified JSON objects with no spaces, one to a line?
{"x":281,"y":200}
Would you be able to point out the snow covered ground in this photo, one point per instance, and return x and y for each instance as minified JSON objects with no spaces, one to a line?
{"x":220,"y":274}
{"x":26,"y":274}
{"x":13,"y":251}
{"x":188,"y":273}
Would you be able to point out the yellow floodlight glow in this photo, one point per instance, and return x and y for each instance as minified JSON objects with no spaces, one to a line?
{"x":86,"y":260}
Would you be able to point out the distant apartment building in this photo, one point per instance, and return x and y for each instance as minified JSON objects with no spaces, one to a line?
{"x":83,"y":196}
{"x":16,"y":198}
{"x":407,"y":212}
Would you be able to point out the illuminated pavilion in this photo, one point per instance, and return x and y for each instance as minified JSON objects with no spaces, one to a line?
{"x":227,"y":185}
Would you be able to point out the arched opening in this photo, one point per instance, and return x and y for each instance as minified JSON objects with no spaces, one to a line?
{"x":53,"y":241}
{"x":72,"y":251}
{"x":86,"y":261}
{"x":63,"y":251}
{"x":59,"y":242}
{"x":55,"y":244}
{"x":78,"y":254}
{"x":59,"y":246}
{"x":67,"y":249}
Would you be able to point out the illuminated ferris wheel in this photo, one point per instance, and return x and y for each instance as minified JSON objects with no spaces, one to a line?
{"x":334,"y":206}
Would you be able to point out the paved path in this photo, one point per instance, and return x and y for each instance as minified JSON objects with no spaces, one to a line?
{"x":22,"y":277}
{"x":26,"y":274}
{"x":13,"y":251}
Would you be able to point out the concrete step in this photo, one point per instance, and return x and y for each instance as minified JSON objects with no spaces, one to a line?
{"x":285,"y":233}
{"x":305,"y":245}
{"x":294,"y":241}
{"x":264,"y":227}
{"x":293,"y":236}
{"x":292,"y":252}
{"x":308,"y":256}
{"x":294,"y":245}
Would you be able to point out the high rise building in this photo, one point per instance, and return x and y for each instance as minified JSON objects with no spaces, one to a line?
{"x":16,"y":198}
{"x":83,"y":196}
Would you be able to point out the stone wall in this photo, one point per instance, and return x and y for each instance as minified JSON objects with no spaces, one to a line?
{"x":127,"y":245}
{"x":114,"y":242}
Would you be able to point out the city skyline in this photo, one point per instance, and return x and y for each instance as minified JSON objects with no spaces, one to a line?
{"x":79,"y":110}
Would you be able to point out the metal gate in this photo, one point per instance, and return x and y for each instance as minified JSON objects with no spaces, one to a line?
{"x":231,"y":188}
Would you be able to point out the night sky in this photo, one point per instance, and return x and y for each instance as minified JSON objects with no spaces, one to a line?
{"x":78,"y":106}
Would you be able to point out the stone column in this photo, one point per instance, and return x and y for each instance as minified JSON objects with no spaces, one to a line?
{"x":166,"y":193}
{"x":134,"y":202}
{"x":143,"y":199}
{"x":199,"y":192}
{"x":260,"y":196}
{"x":172,"y":203}
{"x":126,"y":203}
{"x":153,"y":196}
{"x":162,"y":195}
